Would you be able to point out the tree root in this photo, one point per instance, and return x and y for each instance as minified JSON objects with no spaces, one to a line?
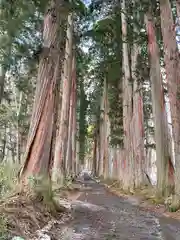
{"x":25,"y":214}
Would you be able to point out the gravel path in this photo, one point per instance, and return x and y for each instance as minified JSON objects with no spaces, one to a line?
{"x":99,"y":214}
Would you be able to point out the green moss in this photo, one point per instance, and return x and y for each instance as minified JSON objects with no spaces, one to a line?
{"x":173,"y":208}
{"x":41,"y":188}
{"x":175,"y":204}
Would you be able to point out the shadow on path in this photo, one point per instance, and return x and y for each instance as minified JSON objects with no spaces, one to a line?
{"x":99,"y":214}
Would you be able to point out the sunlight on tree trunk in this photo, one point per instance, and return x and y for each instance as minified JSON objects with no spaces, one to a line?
{"x":74,"y":122}
{"x":172,"y":66}
{"x":60,"y":165}
{"x":102,"y":133}
{"x":161,"y":138}
{"x":70,"y":157}
{"x":127,"y":106}
{"x":137,"y":130}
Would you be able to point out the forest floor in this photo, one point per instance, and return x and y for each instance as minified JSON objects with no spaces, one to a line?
{"x":32,"y":218}
{"x":96,"y":213}
{"x":100,"y":214}
{"x":145,"y":198}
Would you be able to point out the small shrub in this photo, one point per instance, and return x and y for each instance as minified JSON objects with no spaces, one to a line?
{"x":67,"y":181}
{"x":173,"y":203}
{"x":40,"y":187}
{"x":172,"y":208}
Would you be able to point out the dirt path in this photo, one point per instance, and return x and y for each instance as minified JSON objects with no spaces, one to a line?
{"x":99,"y":214}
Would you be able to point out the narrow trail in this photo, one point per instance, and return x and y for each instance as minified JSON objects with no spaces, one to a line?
{"x":99,"y":214}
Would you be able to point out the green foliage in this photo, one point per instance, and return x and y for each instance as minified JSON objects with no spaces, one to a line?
{"x":18,"y":20}
{"x":79,"y":7}
{"x":106,"y":55}
{"x":8,"y":178}
{"x":3,"y":227}
{"x":41,"y":188}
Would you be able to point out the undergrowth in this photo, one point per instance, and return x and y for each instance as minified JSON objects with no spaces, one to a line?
{"x":3,"y":227}
{"x":146,"y":193}
{"x":8,"y":179}
{"x":24,"y":212}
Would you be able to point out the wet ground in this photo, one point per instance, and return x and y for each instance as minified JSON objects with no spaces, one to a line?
{"x":99,"y":214}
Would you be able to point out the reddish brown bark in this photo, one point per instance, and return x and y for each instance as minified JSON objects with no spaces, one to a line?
{"x":137,"y":124}
{"x":172,"y":66}
{"x":178,"y":11}
{"x":61,"y":140}
{"x":106,"y":132}
{"x":74,"y":121}
{"x":38,"y":149}
{"x":70,"y":153}
{"x":95,"y":153}
{"x":171,"y":169}
{"x":101,"y":167}
{"x":127,"y":107}
{"x":161,"y":137}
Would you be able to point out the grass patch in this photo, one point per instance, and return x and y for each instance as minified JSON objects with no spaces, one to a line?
{"x":172,"y":203}
{"x":148,"y":196}
{"x":8,"y":178}
{"x":147,"y":193}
